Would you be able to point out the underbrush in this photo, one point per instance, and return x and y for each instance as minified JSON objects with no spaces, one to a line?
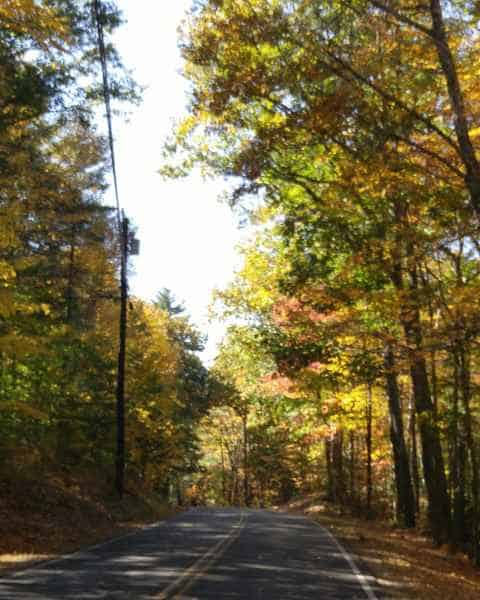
{"x":43,"y":515}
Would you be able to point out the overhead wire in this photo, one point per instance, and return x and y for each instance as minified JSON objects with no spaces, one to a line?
{"x":108,"y":106}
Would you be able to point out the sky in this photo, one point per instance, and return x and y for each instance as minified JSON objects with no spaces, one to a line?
{"x":187,"y":236}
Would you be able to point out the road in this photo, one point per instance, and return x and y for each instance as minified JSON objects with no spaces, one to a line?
{"x":207,"y":554}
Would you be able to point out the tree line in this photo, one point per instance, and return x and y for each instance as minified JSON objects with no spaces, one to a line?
{"x":350,"y":129}
{"x":59,"y":263}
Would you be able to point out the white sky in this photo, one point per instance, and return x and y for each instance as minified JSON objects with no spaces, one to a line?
{"x":187,"y":237}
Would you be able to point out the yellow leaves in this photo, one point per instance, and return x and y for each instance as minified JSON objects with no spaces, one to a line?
{"x":186,"y":127}
{"x":7,"y":273}
{"x":268,"y":51}
{"x":40,"y":21}
{"x":7,"y":277}
{"x":269,"y":120}
{"x":475,"y":133}
{"x":143,"y":414}
{"x":45,"y":308}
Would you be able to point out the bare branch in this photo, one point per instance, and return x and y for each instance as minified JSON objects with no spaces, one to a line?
{"x":401,"y":17}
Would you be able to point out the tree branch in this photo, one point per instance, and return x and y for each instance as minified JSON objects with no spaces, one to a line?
{"x":390,"y":97}
{"x":401,"y":17}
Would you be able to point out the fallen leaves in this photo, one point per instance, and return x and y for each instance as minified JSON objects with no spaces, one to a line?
{"x":404,"y":562}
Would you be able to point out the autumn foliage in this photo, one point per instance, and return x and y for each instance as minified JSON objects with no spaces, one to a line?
{"x":59,"y":259}
{"x":351,"y":130}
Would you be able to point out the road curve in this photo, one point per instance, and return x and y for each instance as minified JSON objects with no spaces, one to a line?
{"x":205,"y":554}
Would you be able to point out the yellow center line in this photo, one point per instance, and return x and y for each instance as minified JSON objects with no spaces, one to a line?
{"x":202,"y":565}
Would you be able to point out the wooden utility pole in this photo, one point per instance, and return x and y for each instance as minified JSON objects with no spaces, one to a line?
{"x":246,"y":483}
{"x":120,"y":395}
{"x":128,"y":245}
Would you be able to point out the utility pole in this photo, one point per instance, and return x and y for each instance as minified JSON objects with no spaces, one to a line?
{"x":128,"y":245}
{"x":120,"y":395}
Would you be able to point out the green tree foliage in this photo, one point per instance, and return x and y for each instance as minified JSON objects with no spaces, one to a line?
{"x":59,"y":270}
{"x":356,"y":124}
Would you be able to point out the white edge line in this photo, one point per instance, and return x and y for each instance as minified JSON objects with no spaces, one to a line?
{"x":44,"y":563}
{"x":360,"y":576}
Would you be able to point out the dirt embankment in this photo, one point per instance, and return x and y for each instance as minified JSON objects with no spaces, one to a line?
{"x":55,"y":515}
{"x":404,"y":562}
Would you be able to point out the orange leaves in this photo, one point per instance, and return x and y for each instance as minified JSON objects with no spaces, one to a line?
{"x":293,"y":311}
{"x":276,"y":383}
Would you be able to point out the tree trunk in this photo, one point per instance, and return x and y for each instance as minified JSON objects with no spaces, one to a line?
{"x":353,"y":491}
{"x":412,"y":429}
{"x":432,"y":457}
{"x":234,"y":487}
{"x":457,"y":102}
{"x":337,"y":468}
{"x":246,"y":484}
{"x":472,"y":450}
{"x":70,"y":292}
{"x":405,"y":505}
{"x":433,"y":371}
{"x":178,"y":491}
{"x":368,"y":442}
{"x":328,"y":463}
{"x":224,"y":479}
{"x":458,"y":463}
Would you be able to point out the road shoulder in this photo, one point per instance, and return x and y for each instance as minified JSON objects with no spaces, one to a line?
{"x":404,"y":563}
{"x":45,"y":520}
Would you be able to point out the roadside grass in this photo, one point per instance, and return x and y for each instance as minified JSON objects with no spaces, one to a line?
{"x":42,"y":518}
{"x":404,"y":562}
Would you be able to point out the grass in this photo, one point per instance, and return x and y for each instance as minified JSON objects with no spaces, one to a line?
{"x":404,"y":562}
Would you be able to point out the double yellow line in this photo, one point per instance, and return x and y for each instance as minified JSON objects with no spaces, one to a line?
{"x":202,"y":565}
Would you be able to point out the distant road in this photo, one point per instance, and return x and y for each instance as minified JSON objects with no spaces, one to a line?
{"x":204,"y":553}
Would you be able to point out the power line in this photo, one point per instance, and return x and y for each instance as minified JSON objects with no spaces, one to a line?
{"x":108,"y":105}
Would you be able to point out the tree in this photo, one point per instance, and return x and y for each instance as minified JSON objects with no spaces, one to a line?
{"x":355,"y":122}
{"x":165,"y":300}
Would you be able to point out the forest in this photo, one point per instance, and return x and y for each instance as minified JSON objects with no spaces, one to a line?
{"x":349,"y":131}
{"x":59,"y":270}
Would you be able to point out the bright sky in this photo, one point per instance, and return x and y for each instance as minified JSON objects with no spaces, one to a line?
{"x":187,"y":237}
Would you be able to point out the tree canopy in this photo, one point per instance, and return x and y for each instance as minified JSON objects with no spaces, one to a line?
{"x":59,"y":269}
{"x":355,"y":125}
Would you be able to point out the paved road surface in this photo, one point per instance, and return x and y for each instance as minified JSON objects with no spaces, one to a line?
{"x":206,"y":554}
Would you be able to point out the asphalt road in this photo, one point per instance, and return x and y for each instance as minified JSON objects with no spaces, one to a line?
{"x":204,"y":553}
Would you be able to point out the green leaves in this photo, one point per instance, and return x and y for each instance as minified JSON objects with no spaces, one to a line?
{"x":343,"y":119}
